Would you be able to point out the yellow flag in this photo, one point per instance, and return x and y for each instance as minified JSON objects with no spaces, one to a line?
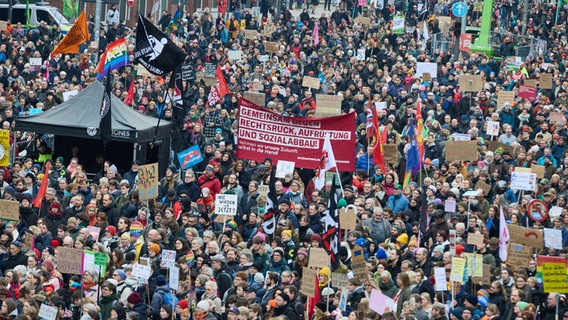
{"x":78,"y":35}
{"x":4,"y":148}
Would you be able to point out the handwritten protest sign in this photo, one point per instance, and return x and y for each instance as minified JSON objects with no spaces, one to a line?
{"x":328,"y":105}
{"x":226,"y":204}
{"x":475,"y":239}
{"x":546,"y":80}
{"x":552,"y":271}
{"x":141,"y":271}
{"x":391,"y":153}
{"x":527,"y":92}
{"x":470,"y":83}
{"x":347,"y":218}
{"x":147,"y":181}
{"x":358,"y":264}
{"x":318,"y":258}
{"x":284,"y":167}
{"x":308,"y":281}
{"x":380,"y":302}
{"x":461,"y":150}
{"x":174,"y":278}
{"x":94,"y":232}
{"x":526,"y":236}
{"x":255,"y":97}
{"x":168,"y":259}
{"x":486,"y":278}
{"x":553,"y":238}
{"x":440,"y":279}
{"x":505,"y":96}
{"x":340,"y":280}
{"x":519,"y":255}
{"x":271,"y":47}
{"x":69,"y":260}
{"x":458,"y":268}
{"x":10,"y":210}
{"x":311,"y":82}
{"x":47,"y":312}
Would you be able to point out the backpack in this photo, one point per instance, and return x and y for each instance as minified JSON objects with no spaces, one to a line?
{"x":169,"y":298}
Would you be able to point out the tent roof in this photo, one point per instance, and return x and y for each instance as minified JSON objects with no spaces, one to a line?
{"x":80,"y":117}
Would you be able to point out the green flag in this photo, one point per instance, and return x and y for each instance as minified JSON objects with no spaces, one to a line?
{"x":70,"y":9}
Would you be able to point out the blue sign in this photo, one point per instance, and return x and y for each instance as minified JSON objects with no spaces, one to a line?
{"x":190,"y":157}
{"x":459,"y":9}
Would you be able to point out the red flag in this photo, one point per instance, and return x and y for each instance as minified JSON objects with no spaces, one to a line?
{"x":41,"y":193}
{"x":130,"y":96}
{"x":223,"y":88}
{"x":378,"y":154}
{"x":316,"y":35}
{"x":311,"y":303}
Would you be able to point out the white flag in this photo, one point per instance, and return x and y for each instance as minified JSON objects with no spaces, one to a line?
{"x":503,"y":236}
{"x":327,"y":162}
{"x":425,"y":35}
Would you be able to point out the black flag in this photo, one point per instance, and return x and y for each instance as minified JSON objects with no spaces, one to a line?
{"x":158,"y":54}
{"x":105,"y":126}
{"x":330,"y":239}
{"x":175,"y":95}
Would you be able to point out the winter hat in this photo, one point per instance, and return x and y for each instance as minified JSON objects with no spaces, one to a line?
{"x":121,"y":274}
{"x":403,"y":239}
{"x":112,"y":169}
{"x":55,"y":205}
{"x":471,"y":298}
{"x":381,"y":254}
{"x":154,"y":247}
{"x":203,"y":279}
{"x":112,"y":231}
{"x":288,"y":233}
{"x":210,"y":168}
{"x":9,"y":190}
{"x":315,"y":237}
{"x":257,"y":266}
{"x":522,"y":305}
{"x":459,"y":249}
{"x":26,"y":196}
{"x":325,"y":271}
{"x":161,"y":280}
{"x":285,"y":297}
{"x":204,"y":305}
{"x":259,"y":277}
{"x":49,"y":265}
{"x":184,"y":304}
{"x":55,"y":243}
{"x":457,"y":312}
{"x":134,"y":298}
{"x":279,"y":250}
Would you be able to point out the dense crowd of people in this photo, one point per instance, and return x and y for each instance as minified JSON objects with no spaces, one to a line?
{"x":238,"y":268}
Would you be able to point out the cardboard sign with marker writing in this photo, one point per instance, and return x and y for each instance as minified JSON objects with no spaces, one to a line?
{"x":505,"y":96}
{"x":483,"y":186}
{"x":69,"y":260}
{"x":486,"y":279}
{"x":426,"y":76}
{"x":347,"y":218}
{"x":308,"y":281}
{"x":363,"y":20}
{"x":539,"y":170}
{"x":255,"y":97}
{"x":470,"y":83}
{"x":526,"y":236}
{"x":328,"y":105}
{"x":531,"y":83}
{"x":318,"y":258}
{"x":475,"y":239}
{"x":461,"y":150}
{"x":519,"y":255}
{"x":546,"y":81}
{"x":3,"y":25}
{"x":263,"y":190}
{"x":339,"y":280}
{"x":391,"y":153}
{"x":10,"y":210}
{"x":358,"y":264}
{"x":494,"y":145}
{"x":311,"y":82}
{"x":271,"y":47}
{"x":250,"y":34}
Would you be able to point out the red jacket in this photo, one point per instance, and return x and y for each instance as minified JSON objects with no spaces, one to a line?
{"x":213,"y":184}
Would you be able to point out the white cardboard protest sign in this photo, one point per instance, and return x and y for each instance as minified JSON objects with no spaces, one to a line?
{"x":142,"y":271}
{"x":492,"y":128}
{"x":523,"y":181}
{"x":226,"y":204}
{"x":284,"y":167}
{"x":69,"y":94}
{"x":440,"y":278}
{"x":427,"y":67}
{"x":174,"y":278}
{"x":47,"y":312}
{"x":168,"y":259}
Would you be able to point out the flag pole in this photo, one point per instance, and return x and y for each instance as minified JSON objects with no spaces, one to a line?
{"x":336,"y":170}
{"x":158,"y":124}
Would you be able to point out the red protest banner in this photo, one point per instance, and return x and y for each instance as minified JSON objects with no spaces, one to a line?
{"x":263,"y":133}
{"x":527,"y":92}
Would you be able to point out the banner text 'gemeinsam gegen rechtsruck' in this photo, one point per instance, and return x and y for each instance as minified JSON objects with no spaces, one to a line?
{"x":263,"y":133}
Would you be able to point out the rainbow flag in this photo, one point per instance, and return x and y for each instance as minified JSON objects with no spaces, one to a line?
{"x":115,"y":56}
{"x":190,"y":258}
{"x":174,"y":20}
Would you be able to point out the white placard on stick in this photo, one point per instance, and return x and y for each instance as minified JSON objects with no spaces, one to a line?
{"x":440,"y":278}
{"x":284,"y":167}
{"x":226,"y":204}
{"x":235,"y":55}
{"x":523,"y":181}
{"x":47,"y":312}
{"x":141,"y":271}
{"x":361,"y":54}
{"x":168,"y":259}
{"x":553,"y":238}
{"x":427,"y":67}
{"x":35,"y":62}
{"x":174,"y":278}
{"x":492,"y":128}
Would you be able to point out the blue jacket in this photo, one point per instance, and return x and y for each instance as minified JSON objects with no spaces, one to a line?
{"x":397,"y":203}
{"x":364,"y":161}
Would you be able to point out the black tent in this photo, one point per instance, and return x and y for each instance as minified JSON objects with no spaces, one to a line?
{"x":76,"y":122}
